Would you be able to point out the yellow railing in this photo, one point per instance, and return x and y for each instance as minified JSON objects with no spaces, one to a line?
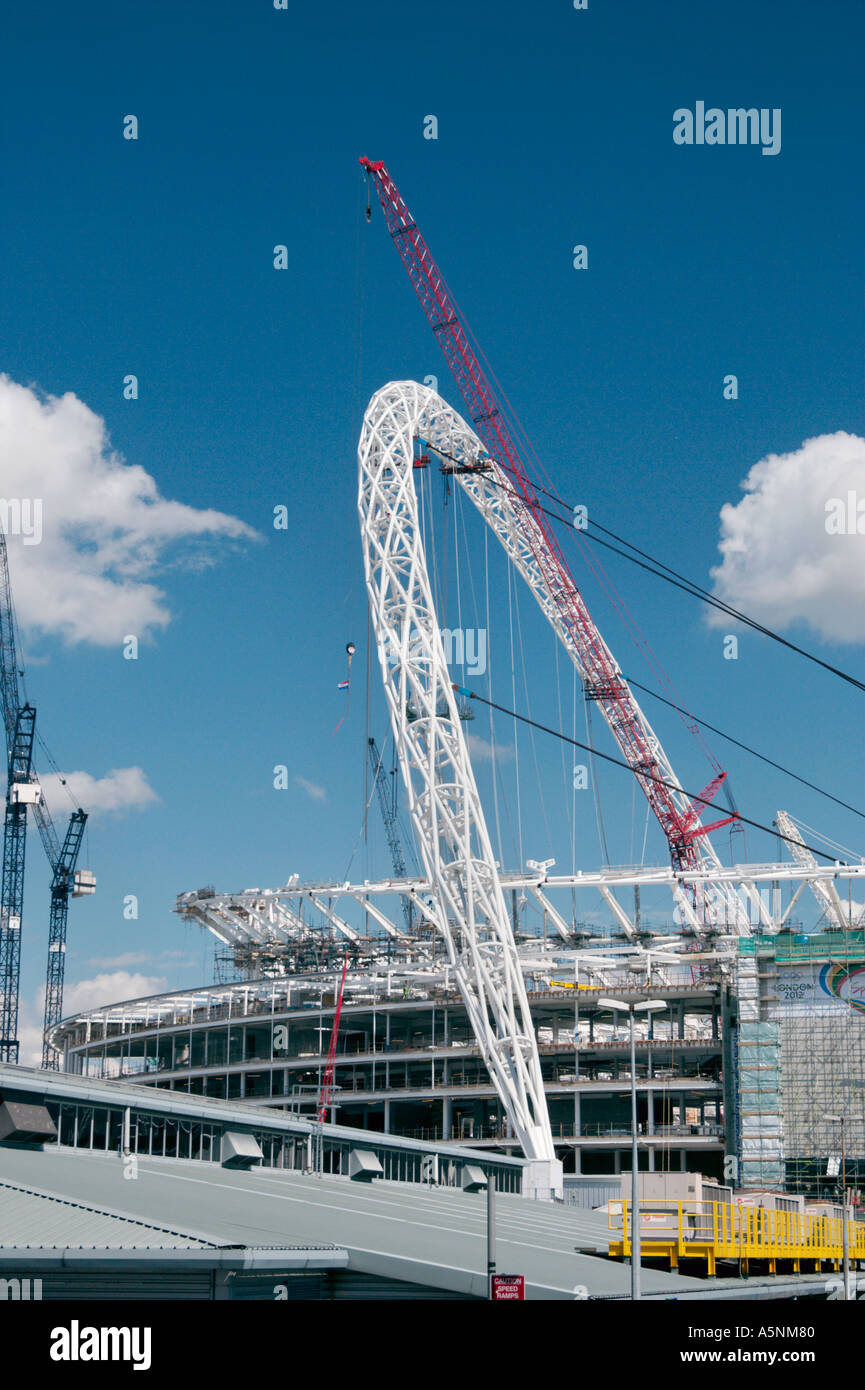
{"x":713,"y":1231}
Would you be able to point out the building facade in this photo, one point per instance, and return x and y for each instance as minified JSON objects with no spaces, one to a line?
{"x":407,"y":1063}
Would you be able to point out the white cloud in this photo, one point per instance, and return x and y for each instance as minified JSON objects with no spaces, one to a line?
{"x":30,"y":1035}
{"x":106,"y":530}
{"x":312,"y":789}
{"x":121,"y":789}
{"x":780,"y":564}
{"x":482,"y":751}
{"x":110,"y":987}
{"x":176,"y":958}
{"x":77,"y":998}
{"x":127,"y":958}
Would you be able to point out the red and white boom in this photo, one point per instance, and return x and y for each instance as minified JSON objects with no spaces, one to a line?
{"x":710,"y":906}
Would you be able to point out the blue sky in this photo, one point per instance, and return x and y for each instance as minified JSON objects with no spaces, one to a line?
{"x":155,"y":257}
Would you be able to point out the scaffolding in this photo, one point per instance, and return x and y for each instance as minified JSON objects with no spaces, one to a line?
{"x":812,"y":991}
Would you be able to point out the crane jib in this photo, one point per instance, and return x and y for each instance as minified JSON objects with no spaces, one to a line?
{"x":688,"y":843}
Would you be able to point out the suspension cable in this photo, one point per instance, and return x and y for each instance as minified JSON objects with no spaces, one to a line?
{"x":649,"y":776}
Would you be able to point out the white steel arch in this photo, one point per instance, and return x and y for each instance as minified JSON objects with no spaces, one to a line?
{"x":443,"y":799}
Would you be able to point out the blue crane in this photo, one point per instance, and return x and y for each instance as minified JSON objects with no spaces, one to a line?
{"x":387,"y":804}
{"x":22,"y":790}
{"x":65,"y":880}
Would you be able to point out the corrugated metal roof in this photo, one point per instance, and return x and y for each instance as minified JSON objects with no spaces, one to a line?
{"x":33,"y":1219}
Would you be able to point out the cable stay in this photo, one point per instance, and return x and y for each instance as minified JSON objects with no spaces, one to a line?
{"x":690,"y":586}
{"x":698,"y":797}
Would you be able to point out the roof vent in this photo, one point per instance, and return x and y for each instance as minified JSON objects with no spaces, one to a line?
{"x":363,"y":1166}
{"x":25,"y":1124}
{"x":239,"y":1150}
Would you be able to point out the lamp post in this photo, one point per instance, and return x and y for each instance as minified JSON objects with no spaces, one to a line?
{"x":648,"y":1006}
{"x":491,"y":1232}
{"x":839,"y":1120}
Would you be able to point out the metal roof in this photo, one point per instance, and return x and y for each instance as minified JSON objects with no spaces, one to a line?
{"x":30,"y":1219}
{"x":267,"y":1219}
{"x":430,"y":1236}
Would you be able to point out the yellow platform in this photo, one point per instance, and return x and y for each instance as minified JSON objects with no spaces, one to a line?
{"x":712,"y":1231}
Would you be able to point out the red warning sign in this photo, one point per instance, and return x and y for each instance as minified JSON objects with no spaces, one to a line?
{"x":509,"y":1287}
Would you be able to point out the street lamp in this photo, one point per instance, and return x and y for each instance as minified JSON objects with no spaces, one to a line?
{"x":839,"y":1120}
{"x":648,"y":1006}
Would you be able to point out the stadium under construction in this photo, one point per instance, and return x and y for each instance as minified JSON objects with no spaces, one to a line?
{"x":725,"y":1039}
{"x":736,"y":1074}
{"x":690,"y":1014}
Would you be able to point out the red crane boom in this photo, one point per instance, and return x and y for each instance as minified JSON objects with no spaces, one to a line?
{"x":603,"y":681}
{"x":326,"y":1092}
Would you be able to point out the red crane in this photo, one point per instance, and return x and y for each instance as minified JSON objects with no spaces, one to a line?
{"x":602,"y":679}
{"x":326,"y":1092}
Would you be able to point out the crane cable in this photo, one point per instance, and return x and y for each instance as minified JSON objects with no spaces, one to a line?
{"x":643,"y":774}
{"x":665,"y":572}
{"x":679,"y":581}
{"x":681,"y":709}
{"x":746,"y":747}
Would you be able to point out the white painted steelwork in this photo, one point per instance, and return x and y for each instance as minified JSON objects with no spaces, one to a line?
{"x":824,"y":890}
{"x":443,"y":799}
{"x":225,"y":914}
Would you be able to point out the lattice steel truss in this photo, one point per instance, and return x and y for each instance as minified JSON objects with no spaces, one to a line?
{"x":443,"y":799}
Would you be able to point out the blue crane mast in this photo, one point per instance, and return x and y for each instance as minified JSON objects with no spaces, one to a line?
{"x":19,"y":789}
{"x":23,"y":790}
{"x":19,"y":719}
{"x":387,"y":805}
{"x":65,"y":880}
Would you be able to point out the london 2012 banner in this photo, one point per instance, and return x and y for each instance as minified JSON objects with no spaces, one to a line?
{"x":828,"y":983}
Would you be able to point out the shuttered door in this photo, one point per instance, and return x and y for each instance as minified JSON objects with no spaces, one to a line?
{"x":129,"y":1287}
